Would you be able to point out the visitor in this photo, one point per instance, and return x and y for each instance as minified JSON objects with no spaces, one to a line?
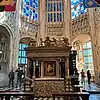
{"x":11,"y":78}
{"x":89,"y":77}
{"x":83,"y":77}
{"x":19,"y":77}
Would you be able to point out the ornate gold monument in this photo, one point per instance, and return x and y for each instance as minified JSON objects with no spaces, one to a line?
{"x":49,"y":63}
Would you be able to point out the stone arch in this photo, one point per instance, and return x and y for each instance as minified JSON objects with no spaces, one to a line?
{"x":77,"y":44}
{"x":81,"y":37}
{"x":26,"y":39}
{"x":6,"y":38}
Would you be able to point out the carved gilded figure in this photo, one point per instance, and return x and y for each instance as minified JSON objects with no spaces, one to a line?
{"x":47,"y":42}
{"x":65,"y":40}
{"x":32,"y":43}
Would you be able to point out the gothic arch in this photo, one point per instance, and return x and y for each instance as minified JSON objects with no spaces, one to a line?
{"x":6,"y":39}
{"x":81,"y":37}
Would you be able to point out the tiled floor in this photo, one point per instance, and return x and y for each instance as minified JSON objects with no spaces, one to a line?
{"x":95,"y":88}
{"x":95,"y":97}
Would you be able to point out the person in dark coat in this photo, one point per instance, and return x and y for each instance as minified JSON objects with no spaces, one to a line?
{"x":11,"y":78}
{"x":19,"y":77}
{"x":88,"y":76}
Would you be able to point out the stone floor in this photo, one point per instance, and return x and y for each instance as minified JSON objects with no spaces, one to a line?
{"x":93,"y":87}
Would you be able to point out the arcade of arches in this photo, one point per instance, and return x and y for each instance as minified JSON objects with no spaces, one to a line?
{"x":54,"y":18}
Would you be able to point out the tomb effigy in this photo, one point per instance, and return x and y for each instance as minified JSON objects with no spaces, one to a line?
{"x":49,"y":64}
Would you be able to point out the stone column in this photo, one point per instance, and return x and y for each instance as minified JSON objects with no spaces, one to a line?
{"x":93,"y":37}
{"x":42,"y":18}
{"x":67,"y":18}
{"x":34,"y":66}
{"x":57,"y":69}
{"x":17,"y":33}
{"x":42,"y":69}
{"x":67,"y":67}
{"x":28,"y":60}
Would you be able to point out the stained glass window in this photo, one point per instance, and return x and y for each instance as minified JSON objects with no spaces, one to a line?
{"x":30,"y":9}
{"x":22,"y":54}
{"x":87,"y":52}
{"x":54,"y":10}
{"x":77,"y":8}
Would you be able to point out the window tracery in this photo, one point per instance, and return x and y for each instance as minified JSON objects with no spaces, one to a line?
{"x":54,"y":10}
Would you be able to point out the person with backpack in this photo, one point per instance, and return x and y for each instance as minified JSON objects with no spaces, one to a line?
{"x":11,"y":78}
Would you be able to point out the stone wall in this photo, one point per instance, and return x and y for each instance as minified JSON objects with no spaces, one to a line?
{"x":47,"y":87}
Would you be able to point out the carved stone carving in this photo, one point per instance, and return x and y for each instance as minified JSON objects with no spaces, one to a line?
{"x":54,"y":43}
{"x":55,"y":29}
{"x":32,"y":43}
{"x":29,"y":28}
{"x":80,"y":25}
{"x":97,"y":15}
{"x":9,"y":18}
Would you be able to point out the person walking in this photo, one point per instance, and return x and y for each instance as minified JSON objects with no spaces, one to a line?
{"x":11,"y":78}
{"x":89,"y":77}
{"x":19,"y":77}
{"x":83,"y":77}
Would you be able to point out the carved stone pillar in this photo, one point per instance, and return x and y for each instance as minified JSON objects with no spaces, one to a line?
{"x":42,"y":18}
{"x":67,"y":18}
{"x":93,"y":37}
{"x":34,"y":66}
{"x":67,"y":67}
{"x":57,"y":69}
{"x":42,"y":69}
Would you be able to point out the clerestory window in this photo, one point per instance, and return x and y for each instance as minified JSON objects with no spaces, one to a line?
{"x":54,"y":10}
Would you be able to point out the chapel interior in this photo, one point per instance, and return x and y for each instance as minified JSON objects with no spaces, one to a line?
{"x":40,"y":35}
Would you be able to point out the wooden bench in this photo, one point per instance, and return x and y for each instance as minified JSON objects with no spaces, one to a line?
{"x":30,"y":95}
{"x":83,"y":95}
